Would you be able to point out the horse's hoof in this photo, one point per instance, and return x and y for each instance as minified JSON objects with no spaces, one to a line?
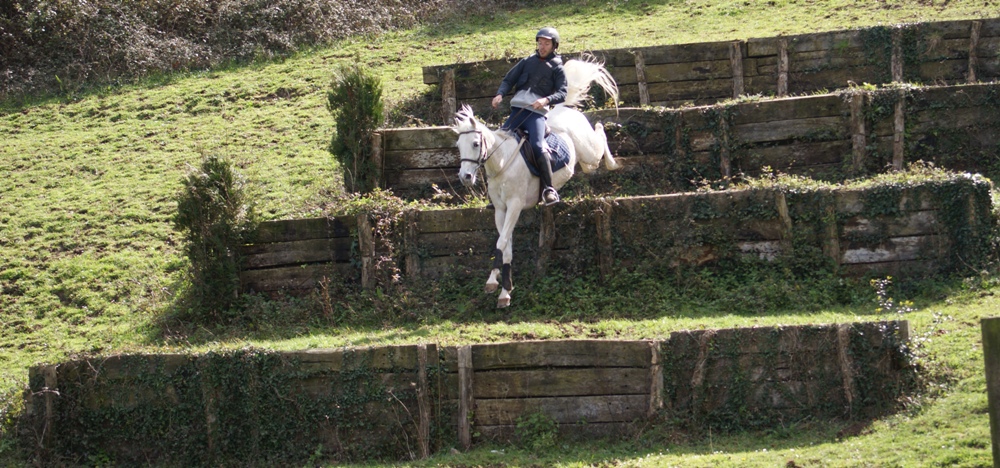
{"x":502,"y":303}
{"x":491,"y":287}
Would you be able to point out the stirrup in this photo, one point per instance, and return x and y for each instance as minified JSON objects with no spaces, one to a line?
{"x":550,"y":197}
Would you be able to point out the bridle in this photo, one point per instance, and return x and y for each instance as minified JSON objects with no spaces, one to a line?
{"x":483,"y":155}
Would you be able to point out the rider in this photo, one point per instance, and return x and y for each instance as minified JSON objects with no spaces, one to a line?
{"x":540,"y":83}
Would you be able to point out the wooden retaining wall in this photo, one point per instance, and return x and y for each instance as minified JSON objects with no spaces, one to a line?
{"x":948,"y":52}
{"x":407,"y":402}
{"x":829,"y":137}
{"x":892,"y":229}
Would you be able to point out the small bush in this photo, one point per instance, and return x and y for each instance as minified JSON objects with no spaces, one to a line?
{"x":537,"y":431}
{"x":355,"y":100}
{"x":216,"y":215}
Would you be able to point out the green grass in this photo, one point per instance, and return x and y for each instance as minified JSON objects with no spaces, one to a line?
{"x":89,"y":261}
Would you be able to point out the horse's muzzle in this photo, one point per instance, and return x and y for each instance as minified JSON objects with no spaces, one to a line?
{"x":468,"y":179}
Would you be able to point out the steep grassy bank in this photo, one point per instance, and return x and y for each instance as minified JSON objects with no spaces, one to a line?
{"x":89,"y":261}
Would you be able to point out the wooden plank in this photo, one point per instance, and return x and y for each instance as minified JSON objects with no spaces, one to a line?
{"x":461,"y":243}
{"x":297,"y":252}
{"x":691,"y":71}
{"x":895,"y":249}
{"x":810,"y":81}
{"x":468,"y":219}
{"x":713,"y":89}
{"x":297,"y":277}
{"x":938,"y":30}
{"x":945,"y":71}
{"x":805,"y":129}
{"x":562,"y":382}
{"x":304,"y":229}
{"x":617,"y":430}
{"x":921,"y":122}
{"x":851,"y":202}
{"x":907,"y":268}
{"x":446,"y":178}
{"x":432,"y":158}
{"x":564,"y":410}
{"x":376,"y":358}
{"x":398,"y":139}
{"x":913,"y":223}
{"x":833,"y":40}
{"x":795,"y":108}
{"x":575,"y":353}
{"x":797,"y":155}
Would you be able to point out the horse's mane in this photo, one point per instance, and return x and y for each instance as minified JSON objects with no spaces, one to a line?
{"x":464,"y":119}
{"x":581,"y":72}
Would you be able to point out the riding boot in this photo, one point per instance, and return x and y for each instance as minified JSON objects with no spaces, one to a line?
{"x":549,"y":194}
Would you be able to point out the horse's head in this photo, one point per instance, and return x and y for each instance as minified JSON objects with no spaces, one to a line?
{"x":471,"y":145}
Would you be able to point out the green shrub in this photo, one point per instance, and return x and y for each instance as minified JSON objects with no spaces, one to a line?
{"x":355,"y":100}
{"x":537,"y":431}
{"x":216,"y":215}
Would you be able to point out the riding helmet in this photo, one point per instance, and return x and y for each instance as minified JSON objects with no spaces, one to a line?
{"x":549,"y":33}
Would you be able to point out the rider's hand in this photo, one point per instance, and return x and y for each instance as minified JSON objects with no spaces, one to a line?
{"x":496,"y":100}
{"x":541,"y":103}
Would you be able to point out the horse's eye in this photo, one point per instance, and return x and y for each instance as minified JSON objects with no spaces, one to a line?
{"x":475,"y":144}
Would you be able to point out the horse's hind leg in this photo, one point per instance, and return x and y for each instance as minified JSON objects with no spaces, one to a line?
{"x":609,"y":160}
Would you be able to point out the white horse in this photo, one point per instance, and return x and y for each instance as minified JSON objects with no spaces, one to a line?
{"x":510,"y":184}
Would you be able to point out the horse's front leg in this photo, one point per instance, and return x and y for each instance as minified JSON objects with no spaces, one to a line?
{"x":505,"y":249}
{"x":492,"y":283}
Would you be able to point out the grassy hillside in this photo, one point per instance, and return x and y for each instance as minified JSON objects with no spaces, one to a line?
{"x":89,"y":261}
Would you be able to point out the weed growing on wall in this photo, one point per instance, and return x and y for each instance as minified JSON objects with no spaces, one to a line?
{"x":355,"y":100}
{"x":216,"y":215}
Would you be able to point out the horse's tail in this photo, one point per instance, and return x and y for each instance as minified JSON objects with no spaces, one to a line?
{"x":581,"y":72}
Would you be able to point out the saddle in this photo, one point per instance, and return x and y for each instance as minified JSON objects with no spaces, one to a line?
{"x":558,"y":151}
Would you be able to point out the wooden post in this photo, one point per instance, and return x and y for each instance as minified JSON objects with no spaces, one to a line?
{"x":449,"y":103}
{"x":725,"y":166}
{"x":680,"y":151}
{"x":640,"y":76}
{"x":846,"y":364}
{"x":782,"y":67}
{"x":736,"y":61}
{"x":423,"y":403}
{"x":781,"y":203}
{"x":546,"y":240}
{"x":466,"y":401}
{"x":210,"y":397}
{"x":899,"y":132}
{"x":977,"y":26}
{"x":50,"y":390}
{"x":897,"y":55}
{"x":605,"y":249}
{"x":655,"y":379}
{"x":859,"y":138}
{"x":410,"y":239}
{"x":366,"y":247}
{"x":991,"y":356}
{"x":378,"y":160}
{"x":831,"y":244}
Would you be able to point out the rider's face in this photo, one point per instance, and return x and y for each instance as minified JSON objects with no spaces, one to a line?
{"x":544,"y":46}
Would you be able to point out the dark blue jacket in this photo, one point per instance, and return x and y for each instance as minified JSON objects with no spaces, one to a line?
{"x":543,"y":76}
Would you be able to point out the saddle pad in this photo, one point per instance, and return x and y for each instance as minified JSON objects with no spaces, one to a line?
{"x":558,"y":151}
